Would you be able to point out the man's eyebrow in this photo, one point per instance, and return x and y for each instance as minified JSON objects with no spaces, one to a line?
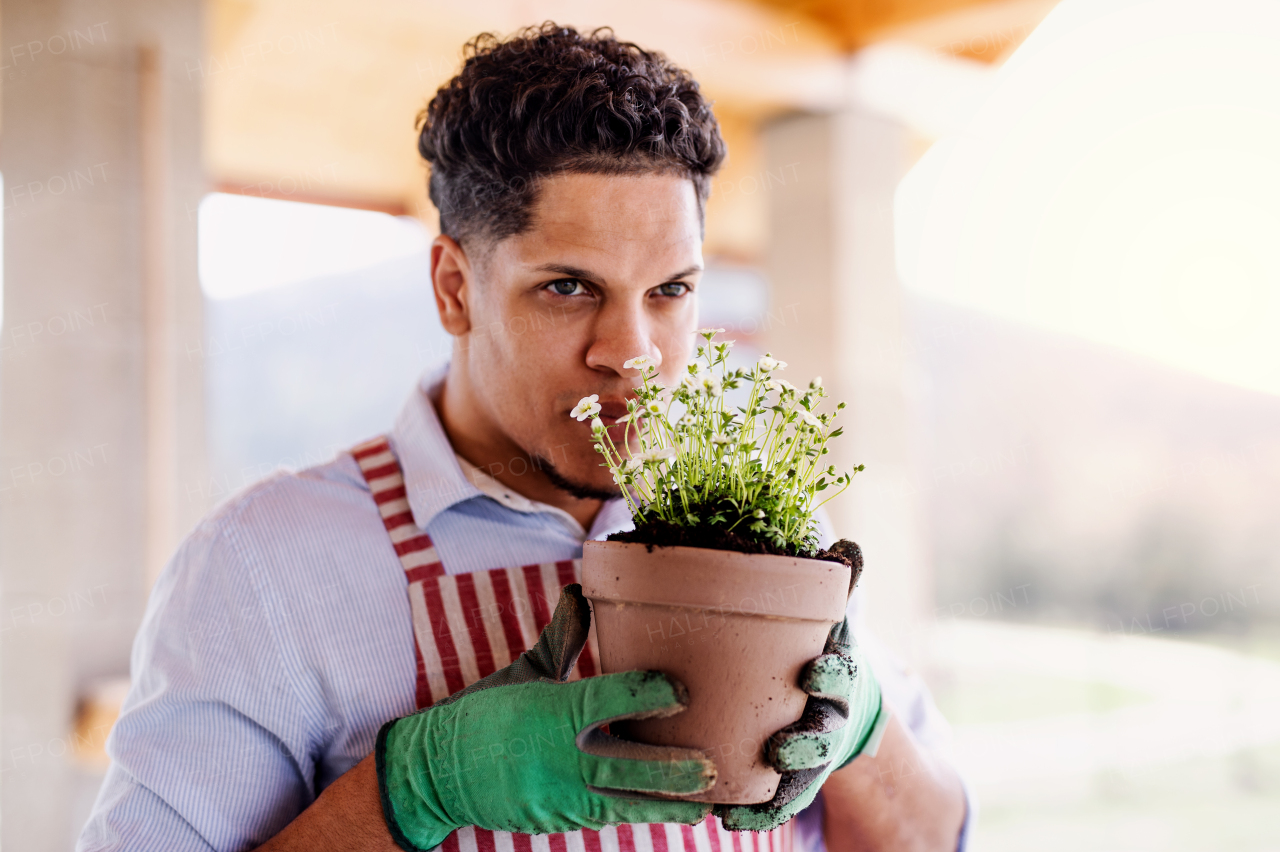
{"x":684,"y":273}
{"x":587,"y":275}
{"x":568,"y":271}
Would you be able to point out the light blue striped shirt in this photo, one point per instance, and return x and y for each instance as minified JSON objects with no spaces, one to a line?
{"x":278,"y":640}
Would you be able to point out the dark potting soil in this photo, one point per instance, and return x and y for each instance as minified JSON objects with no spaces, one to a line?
{"x":659,"y":533}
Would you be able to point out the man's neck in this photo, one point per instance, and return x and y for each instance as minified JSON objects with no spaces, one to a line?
{"x":473,"y":438}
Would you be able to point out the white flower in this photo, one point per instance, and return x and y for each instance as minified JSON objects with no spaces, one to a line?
{"x":768,"y":364}
{"x":811,"y":419}
{"x":710,"y":384}
{"x":709,"y":333}
{"x":634,"y":463}
{"x":657,"y":455}
{"x":780,"y":385}
{"x":588,"y":406}
{"x":640,"y":362}
{"x":816,"y":383}
{"x":597,"y":425}
{"x":654,"y":407}
{"x":721,"y":439}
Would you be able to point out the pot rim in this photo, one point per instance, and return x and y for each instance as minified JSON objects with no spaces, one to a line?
{"x":762,"y":585}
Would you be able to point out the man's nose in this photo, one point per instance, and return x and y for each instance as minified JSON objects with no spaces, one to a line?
{"x":622,"y":333}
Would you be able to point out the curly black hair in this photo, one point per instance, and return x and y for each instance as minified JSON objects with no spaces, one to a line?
{"x":549,"y":100}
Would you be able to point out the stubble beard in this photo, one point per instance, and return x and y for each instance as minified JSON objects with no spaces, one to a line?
{"x":580,"y":490}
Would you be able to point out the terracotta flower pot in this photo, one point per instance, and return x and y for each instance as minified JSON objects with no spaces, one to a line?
{"x":735,"y":628}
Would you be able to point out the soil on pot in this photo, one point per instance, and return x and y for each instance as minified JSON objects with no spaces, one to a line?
{"x":660,"y":533}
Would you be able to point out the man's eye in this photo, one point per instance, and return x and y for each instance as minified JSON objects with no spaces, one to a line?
{"x":674,"y":288}
{"x":567,"y":287}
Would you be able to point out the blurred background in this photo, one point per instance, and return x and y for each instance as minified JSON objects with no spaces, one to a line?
{"x":1032,"y":244}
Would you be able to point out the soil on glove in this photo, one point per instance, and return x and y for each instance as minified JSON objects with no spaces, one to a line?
{"x":659,"y":533}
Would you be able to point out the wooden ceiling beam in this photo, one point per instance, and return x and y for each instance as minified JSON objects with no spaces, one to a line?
{"x":986,"y":30}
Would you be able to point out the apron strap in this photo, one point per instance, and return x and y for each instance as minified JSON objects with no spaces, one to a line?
{"x":382,"y":473}
{"x":418,"y":557}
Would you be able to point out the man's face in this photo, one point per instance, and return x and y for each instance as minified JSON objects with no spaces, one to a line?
{"x":606,"y":272}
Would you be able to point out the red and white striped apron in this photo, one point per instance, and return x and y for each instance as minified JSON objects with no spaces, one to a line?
{"x":467,"y":626}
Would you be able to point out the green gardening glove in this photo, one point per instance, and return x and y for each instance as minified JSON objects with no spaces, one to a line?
{"x":523,"y":751}
{"x":842,"y":719}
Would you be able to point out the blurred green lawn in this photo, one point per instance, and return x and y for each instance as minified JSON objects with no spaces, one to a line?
{"x":977,"y":699}
{"x":1229,"y":803}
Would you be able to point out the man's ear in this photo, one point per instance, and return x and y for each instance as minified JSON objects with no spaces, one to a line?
{"x":452,"y":280}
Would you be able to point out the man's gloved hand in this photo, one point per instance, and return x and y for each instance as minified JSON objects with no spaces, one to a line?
{"x":842,"y":719}
{"x":522,"y":751}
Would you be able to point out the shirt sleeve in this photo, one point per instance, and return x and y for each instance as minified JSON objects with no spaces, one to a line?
{"x":212,"y":750}
{"x":907,"y":694}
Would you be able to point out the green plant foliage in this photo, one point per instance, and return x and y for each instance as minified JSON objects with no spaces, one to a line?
{"x":757,"y":471}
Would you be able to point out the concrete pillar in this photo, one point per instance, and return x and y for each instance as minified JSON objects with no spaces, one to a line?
{"x":100,"y":293}
{"x":836,"y":312}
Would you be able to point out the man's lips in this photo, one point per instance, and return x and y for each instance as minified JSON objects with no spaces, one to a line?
{"x":610,"y":411}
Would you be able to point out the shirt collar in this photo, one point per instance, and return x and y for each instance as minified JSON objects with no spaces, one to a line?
{"x":614,"y":516}
{"x":495,"y":490}
{"x":435,"y":478}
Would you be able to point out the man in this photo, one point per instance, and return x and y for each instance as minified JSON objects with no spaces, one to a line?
{"x":288,"y":644}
